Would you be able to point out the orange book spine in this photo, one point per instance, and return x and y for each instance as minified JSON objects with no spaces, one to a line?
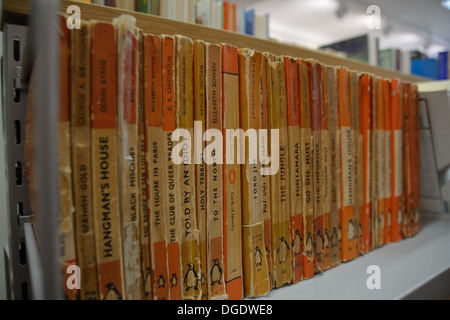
{"x":189,"y":237}
{"x":226,"y":16}
{"x":388,"y":161}
{"x":296,"y":215}
{"x":306,"y":160}
{"x":265,"y":177}
{"x":279,"y":179}
{"x":347,"y":226}
{"x":232,"y":174}
{"x":396,"y":161}
{"x":326,"y":166}
{"x":170,"y":184}
{"x":154,"y":155}
{"x":214,"y":174}
{"x":365,"y":127}
{"x":255,"y":267}
{"x":104,"y":161}
{"x":68,"y":253}
{"x":380,"y":161}
{"x":200,"y":167}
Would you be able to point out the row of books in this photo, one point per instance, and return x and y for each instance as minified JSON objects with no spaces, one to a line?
{"x":166,"y":210}
{"x":217,"y":14}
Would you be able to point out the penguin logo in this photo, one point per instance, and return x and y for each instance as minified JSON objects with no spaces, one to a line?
{"x":258,"y":257}
{"x":309,"y":245}
{"x":339,"y":232}
{"x":216,"y":273}
{"x":161,"y":282}
{"x":283,"y":250}
{"x":297,"y":243}
{"x":319,"y":243}
{"x":91,"y":295}
{"x":203,"y":279}
{"x":382,"y":220}
{"x":389,"y":218}
{"x":112,"y":293}
{"x":350,"y":230}
{"x":326,"y":239}
{"x":334,"y":238}
{"x":399,"y":216}
{"x":147,"y":283}
{"x":173,"y":280}
{"x":190,"y":278}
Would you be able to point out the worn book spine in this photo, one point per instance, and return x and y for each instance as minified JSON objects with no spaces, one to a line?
{"x":214,"y":173}
{"x":105,"y":178}
{"x":380,"y":162}
{"x":147,"y":287}
{"x":254,"y":259}
{"x":365,"y":85}
{"x":265,"y":168}
{"x":81,"y":160}
{"x":67,"y":248}
{"x":388,"y":161}
{"x":396,"y":161}
{"x":128,"y":146}
{"x":316,"y":125}
{"x":415,"y":160}
{"x":169,"y":169}
{"x":279,"y":179}
{"x":374,"y":165}
{"x":231,"y":174}
{"x":335,"y":168}
{"x":306,"y":161}
{"x":154,"y":136}
{"x":296,"y":216}
{"x":200,"y":166}
{"x":354,"y":116}
{"x":185,"y":173}
{"x":170,"y":184}
{"x":347,"y":170}
{"x":326,"y":166}
{"x":406,"y":162}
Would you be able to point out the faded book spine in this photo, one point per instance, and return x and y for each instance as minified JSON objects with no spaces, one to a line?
{"x":388,"y":160}
{"x":279,"y":179}
{"x":128,"y":146}
{"x":200,"y":166}
{"x":105,"y":179}
{"x":296,"y":215}
{"x":306,"y":160}
{"x":67,"y":249}
{"x":171,"y":185}
{"x":406,"y":168}
{"x":185,"y":172}
{"x":154,"y":136}
{"x":380,"y":161}
{"x":81,"y":160}
{"x":255,"y":266}
{"x":214,"y":174}
{"x":231,"y":174}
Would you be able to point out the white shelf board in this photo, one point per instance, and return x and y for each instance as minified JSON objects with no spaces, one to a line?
{"x":414,"y":268}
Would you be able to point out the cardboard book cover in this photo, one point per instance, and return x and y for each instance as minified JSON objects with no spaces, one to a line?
{"x":171,"y":185}
{"x":316,"y":95}
{"x":214,"y":173}
{"x":306,"y":160}
{"x":154,"y":149}
{"x":81,"y":160}
{"x":265,"y":168}
{"x":296,"y":216}
{"x":279,"y":179}
{"x":397,"y":160}
{"x":105,"y":179}
{"x":347,"y":170}
{"x":354,"y":110}
{"x":327,"y":85}
{"x":67,"y":248}
{"x":254,"y":260}
{"x":144,"y":226}
{"x":185,"y":173}
{"x":335,"y":166}
{"x":231,"y":174}
{"x":365,"y":103}
{"x":128,"y":146}
{"x":388,"y":160}
{"x":200,"y":166}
